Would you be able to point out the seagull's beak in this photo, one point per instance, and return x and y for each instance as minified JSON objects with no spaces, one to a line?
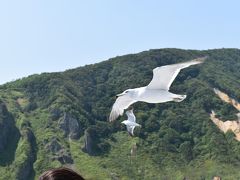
{"x":118,"y":95}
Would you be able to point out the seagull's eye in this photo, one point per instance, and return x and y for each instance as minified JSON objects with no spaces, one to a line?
{"x":126,"y":91}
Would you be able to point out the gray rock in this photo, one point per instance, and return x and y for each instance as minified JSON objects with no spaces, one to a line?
{"x":238,"y":115}
{"x":25,"y":168}
{"x":88,"y":143}
{"x":55,"y":114}
{"x":4,"y":131}
{"x":6,"y":126}
{"x":53,"y":146}
{"x":70,"y":126}
{"x":58,"y":152}
{"x":64,"y":157}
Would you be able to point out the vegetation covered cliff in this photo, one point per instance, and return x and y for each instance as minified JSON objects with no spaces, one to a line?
{"x":61,"y":119}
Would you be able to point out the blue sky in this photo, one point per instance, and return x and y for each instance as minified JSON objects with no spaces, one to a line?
{"x":53,"y":35}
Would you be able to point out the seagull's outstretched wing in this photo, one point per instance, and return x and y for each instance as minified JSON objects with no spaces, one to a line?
{"x":131,"y":116}
{"x":122,"y":102}
{"x":163,"y":76}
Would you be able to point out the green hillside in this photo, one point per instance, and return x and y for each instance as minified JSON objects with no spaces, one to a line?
{"x":61,"y":119}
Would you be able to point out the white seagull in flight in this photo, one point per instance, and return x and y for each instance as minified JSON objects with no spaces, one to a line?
{"x":157,"y":91}
{"x":130,"y":122}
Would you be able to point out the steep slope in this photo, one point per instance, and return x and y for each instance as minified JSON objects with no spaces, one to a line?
{"x":9,"y":134}
{"x":65,"y":115}
{"x":227,"y":99}
{"x":226,"y":126}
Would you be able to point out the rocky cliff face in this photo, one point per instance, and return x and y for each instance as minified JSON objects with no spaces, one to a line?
{"x":70,"y":126}
{"x":6,"y":126}
{"x":25,"y":168}
{"x":88,"y":143}
{"x":58,"y":151}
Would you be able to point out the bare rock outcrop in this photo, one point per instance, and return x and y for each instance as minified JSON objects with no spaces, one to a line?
{"x":53,"y":146}
{"x":225,"y":126}
{"x":58,"y":151}
{"x":7,"y":126}
{"x":223,"y":96}
{"x":25,"y":167}
{"x":70,"y":126}
{"x":88,"y":143}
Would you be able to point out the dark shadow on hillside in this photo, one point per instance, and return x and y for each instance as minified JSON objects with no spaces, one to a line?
{"x":34,"y":153}
{"x":24,"y":169}
{"x":8,"y":154}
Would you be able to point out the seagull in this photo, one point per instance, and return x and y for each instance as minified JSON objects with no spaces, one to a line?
{"x":157,"y":91}
{"x":130,"y":122}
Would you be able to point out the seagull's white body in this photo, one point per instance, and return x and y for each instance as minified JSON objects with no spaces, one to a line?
{"x":144,"y":94}
{"x":130,"y":122}
{"x":157,"y":91}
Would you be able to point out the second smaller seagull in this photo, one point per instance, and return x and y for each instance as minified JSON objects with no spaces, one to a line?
{"x":130,"y":122}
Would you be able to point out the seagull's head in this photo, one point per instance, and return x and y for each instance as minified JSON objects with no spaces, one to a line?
{"x":128,"y":92}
